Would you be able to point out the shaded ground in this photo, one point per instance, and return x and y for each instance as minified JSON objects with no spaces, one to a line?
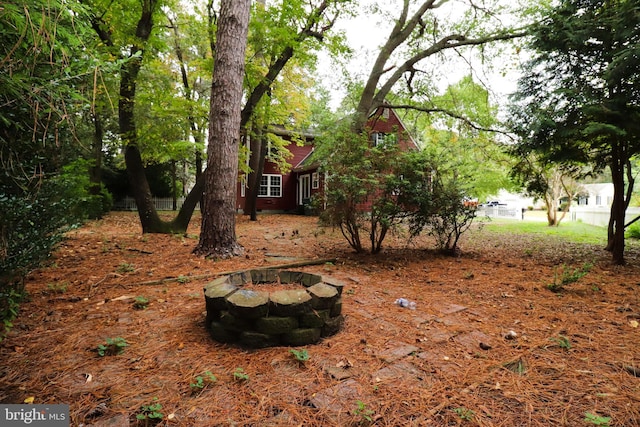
{"x":445,"y":363}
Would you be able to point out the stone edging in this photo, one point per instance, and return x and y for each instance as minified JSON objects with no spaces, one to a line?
{"x":259,"y":319}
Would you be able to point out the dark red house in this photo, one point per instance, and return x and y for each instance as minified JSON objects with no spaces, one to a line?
{"x":292,"y":191}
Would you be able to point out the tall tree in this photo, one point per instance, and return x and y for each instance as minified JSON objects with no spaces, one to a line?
{"x":282,"y":35}
{"x":579,"y":101}
{"x":217,"y":236}
{"x":419,"y":33}
{"x":549,"y":182}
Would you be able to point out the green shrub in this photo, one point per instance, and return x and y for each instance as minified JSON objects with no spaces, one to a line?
{"x":633,"y":231}
{"x":34,"y":215}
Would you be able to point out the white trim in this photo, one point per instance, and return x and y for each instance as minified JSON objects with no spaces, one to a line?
{"x":273,"y":185}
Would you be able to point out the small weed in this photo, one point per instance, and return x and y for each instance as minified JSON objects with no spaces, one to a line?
{"x":300,"y":355}
{"x":562,"y":341}
{"x":364,"y":413}
{"x":464,"y":413}
{"x":201,"y":381}
{"x":183,"y":279}
{"x":125,"y":267}
{"x":140,"y":303}
{"x":57,"y":288}
{"x":112,"y":346}
{"x":596,"y":420}
{"x":469,"y":275}
{"x":240,"y":375}
{"x":567,"y":276}
{"x":150,"y":414}
{"x":517,"y":366}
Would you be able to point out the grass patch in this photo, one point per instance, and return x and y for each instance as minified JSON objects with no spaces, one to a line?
{"x":575,"y":232}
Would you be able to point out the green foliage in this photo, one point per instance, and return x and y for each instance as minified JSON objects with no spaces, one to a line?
{"x":34,"y":215}
{"x":57,"y":288}
{"x":10,"y":298}
{"x":360,"y":188}
{"x":596,"y":420}
{"x":563,"y":276}
{"x":140,"y":303}
{"x":464,"y":413}
{"x":365,"y":414}
{"x":125,"y":267}
{"x":633,"y":231}
{"x":150,"y":413}
{"x":202,"y":381}
{"x":580,"y":115}
{"x":562,"y":341}
{"x":112,"y":347}
{"x":374,"y":189}
{"x":240,"y":375}
{"x":300,"y":355}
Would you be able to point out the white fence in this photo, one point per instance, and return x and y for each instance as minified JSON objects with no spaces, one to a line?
{"x":499,"y":211}
{"x":161,"y":204}
{"x":599,"y":216}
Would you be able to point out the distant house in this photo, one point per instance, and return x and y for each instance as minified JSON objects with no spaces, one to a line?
{"x":596,"y":195}
{"x":292,"y":191}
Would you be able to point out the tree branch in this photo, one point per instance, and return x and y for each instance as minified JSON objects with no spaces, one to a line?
{"x":449,"y":113}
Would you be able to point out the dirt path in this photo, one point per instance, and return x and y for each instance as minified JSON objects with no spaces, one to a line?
{"x":487,"y":344}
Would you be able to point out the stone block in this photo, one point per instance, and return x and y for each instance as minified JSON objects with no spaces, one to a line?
{"x":324,"y":296}
{"x":274,"y":325}
{"x":314,"y":319}
{"x":258,"y":340}
{"x":302,"y":336}
{"x":289,"y":302}
{"x":248,"y":304}
{"x":332,"y":325}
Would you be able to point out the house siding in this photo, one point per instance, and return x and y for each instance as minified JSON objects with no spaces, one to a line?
{"x":384,"y":120}
{"x":288,"y":201}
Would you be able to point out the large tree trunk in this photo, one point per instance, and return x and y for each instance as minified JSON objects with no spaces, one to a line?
{"x":218,"y":235}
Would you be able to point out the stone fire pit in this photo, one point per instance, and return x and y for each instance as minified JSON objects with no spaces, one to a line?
{"x":306,"y":309}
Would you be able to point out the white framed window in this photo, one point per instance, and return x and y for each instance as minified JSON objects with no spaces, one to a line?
{"x":379,"y":139}
{"x":243,"y":185}
{"x":315,"y":181}
{"x":270,"y":186}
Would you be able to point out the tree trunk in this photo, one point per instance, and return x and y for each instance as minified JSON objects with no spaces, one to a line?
{"x":256,"y":163}
{"x":618,"y":207}
{"x":174,"y":186}
{"x":217,"y":235}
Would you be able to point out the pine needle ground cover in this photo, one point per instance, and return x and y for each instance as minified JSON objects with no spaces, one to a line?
{"x":115,"y":327}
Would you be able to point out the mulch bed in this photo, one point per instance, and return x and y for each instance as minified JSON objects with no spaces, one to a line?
{"x":487,"y":344}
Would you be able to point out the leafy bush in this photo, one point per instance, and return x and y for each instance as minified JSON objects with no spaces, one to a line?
{"x":360,"y":195}
{"x":32,"y":222}
{"x":375,"y":189}
{"x":633,"y":231}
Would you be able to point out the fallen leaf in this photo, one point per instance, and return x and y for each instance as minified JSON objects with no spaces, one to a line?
{"x":89,"y":377}
{"x":29,"y":399}
{"x":634,"y":323}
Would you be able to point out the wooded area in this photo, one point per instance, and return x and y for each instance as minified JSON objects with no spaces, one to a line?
{"x":103,"y":99}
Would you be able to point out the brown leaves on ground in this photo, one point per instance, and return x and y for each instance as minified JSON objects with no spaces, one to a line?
{"x":487,"y":344}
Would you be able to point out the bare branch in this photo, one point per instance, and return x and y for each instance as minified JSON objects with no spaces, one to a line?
{"x":451,"y":114}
